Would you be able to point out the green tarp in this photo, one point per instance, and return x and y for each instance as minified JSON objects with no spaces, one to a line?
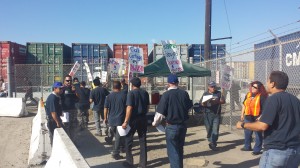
{"x":160,"y":68}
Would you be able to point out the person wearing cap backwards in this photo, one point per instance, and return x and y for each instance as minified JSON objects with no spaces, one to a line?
{"x":137,"y":107}
{"x":212,"y":113}
{"x":174,"y":106}
{"x":54,"y":109}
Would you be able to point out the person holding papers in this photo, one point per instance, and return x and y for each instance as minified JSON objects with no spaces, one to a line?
{"x":174,"y":106}
{"x":137,"y":107}
{"x":114,"y":111}
{"x":54,"y":109}
{"x":211,"y":101}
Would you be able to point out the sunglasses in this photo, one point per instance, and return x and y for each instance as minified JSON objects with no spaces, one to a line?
{"x":68,"y":80}
{"x":254,"y":87}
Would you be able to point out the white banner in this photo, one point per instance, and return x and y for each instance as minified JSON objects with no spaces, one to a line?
{"x":226,"y":79}
{"x":117,"y":67}
{"x":104,"y":76}
{"x":172,"y":56}
{"x":136,"y":59}
{"x":89,"y":75}
{"x":74,"y":69}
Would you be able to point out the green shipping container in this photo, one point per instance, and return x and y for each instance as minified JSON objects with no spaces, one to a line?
{"x":48,"y":60}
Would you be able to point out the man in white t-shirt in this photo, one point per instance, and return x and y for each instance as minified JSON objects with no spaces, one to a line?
{"x":3,"y":88}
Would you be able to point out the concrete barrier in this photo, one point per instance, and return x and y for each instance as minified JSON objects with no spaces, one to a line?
{"x":12,"y":107}
{"x":64,"y":153}
{"x":40,"y":146}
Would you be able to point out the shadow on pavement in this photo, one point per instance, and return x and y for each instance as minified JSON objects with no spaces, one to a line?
{"x":248,"y":163}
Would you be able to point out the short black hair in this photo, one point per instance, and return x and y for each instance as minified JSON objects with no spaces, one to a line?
{"x":68,"y":76}
{"x":136,"y":82}
{"x":75,"y":79}
{"x":96,"y":82}
{"x":117,"y":85}
{"x":280,"y":79}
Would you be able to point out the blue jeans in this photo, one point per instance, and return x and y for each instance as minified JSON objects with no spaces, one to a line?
{"x":248,"y":136}
{"x":97,"y":115}
{"x":175,"y":137}
{"x":289,"y":158}
{"x":212,"y":124}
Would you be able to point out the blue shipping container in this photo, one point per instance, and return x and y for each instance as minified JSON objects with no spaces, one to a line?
{"x":197,"y":52}
{"x":95,"y":55}
{"x":266,"y":57}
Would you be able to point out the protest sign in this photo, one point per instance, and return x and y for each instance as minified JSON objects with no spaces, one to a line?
{"x":172,"y":56}
{"x":74,"y":69}
{"x":117,"y":67}
{"x":89,"y":75}
{"x":103,"y":76}
{"x":226,"y":78}
{"x":136,"y":59}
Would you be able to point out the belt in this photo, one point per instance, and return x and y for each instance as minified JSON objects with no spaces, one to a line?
{"x":176,"y":124}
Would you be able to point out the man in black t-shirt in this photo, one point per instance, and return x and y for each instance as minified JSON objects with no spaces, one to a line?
{"x":54,"y":109}
{"x":69,"y":99}
{"x":137,"y":107}
{"x":212,"y":113}
{"x":280,"y":121}
{"x":98,"y":95}
{"x":174,"y":106}
{"x":124,"y":86}
{"x":114,"y":111}
{"x":83,"y":104}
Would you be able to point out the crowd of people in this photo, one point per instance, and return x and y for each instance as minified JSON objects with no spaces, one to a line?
{"x":274,"y":119}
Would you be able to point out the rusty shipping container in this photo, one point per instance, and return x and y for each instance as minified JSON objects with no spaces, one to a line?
{"x":121,"y":51}
{"x":13,"y":50}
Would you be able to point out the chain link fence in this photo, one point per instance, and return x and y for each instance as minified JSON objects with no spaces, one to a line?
{"x":246,"y":66}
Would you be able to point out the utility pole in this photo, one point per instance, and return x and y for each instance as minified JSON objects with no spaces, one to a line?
{"x":207,"y":43}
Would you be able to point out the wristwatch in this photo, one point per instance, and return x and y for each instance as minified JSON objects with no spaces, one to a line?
{"x":242,"y":125}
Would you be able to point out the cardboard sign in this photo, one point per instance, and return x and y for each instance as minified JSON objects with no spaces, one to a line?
{"x":172,"y":56}
{"x":136,"y":59}
{"x":226,"y":78}
{"x":74,"y":69}
{"x":117,"y":67}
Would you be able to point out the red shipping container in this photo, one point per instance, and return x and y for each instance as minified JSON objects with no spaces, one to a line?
{"x":13,"y":50}
{"x":121,"y":51}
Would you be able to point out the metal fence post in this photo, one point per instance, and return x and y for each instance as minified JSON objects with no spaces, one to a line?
{"x":9,"y":76}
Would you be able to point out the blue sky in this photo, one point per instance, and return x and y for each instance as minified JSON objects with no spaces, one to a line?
{"x":141,"y":21}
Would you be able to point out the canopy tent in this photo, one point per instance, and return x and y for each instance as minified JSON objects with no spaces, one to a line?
{"x":160,"y":68}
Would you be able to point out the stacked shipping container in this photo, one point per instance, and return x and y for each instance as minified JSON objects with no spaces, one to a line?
{"x":196,"y":51}
{"x":95,"y":55}
{"x":52,"y":56}
{"x":16,"y":52}
{"x":121,"y":51}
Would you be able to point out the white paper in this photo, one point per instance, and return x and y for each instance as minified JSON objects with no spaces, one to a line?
{"x":160,"y":128}
{"x":123,"y":132}
{"x":65,"y":117}
{"x":206,"y":98}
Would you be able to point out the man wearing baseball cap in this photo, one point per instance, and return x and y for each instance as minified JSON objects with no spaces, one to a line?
{"x":211,"y":101}
{"x":137,"y":107}
{"x":54,"y":109}
{"x":174,"y":106}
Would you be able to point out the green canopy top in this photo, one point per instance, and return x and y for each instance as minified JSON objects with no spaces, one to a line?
{"x":160,"y":68}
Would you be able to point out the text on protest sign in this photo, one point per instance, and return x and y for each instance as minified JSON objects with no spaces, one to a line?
{"x":136,"y":59}
{"x":172,"y":57}
{"x":89,"y":75}
{"x":74,"y":69}
{"x":117,"y":67}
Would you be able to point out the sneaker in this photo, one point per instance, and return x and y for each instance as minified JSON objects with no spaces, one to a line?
{"x":244,"y":149}
{"x":108,"y":140}
{"x":212,"y":147}
{"x":98,"y":134}
{"x":256,"y":153}
{"x":117,"y":157}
